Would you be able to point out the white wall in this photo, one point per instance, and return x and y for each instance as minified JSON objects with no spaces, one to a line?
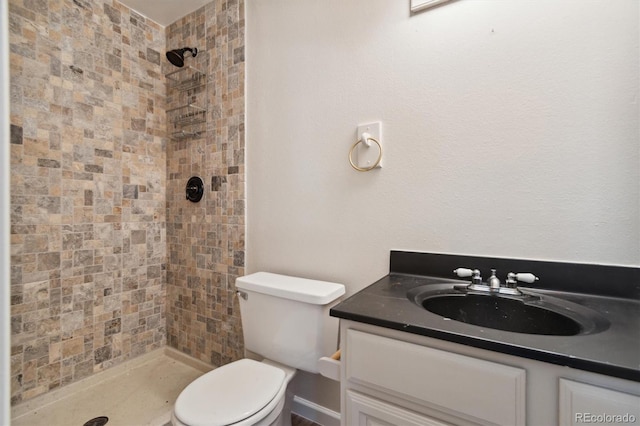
{"x":5,"y":318}
{"x":510,"y":129}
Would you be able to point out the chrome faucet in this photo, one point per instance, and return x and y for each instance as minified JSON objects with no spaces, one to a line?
{"x":493,"y":283}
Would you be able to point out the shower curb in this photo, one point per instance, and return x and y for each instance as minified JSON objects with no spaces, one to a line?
{"x":187,"y":359}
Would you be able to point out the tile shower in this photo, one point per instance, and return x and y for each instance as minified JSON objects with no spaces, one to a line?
{"x":108,"y":259}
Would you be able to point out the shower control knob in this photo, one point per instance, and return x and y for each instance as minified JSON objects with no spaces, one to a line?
{"x":194,"y":189}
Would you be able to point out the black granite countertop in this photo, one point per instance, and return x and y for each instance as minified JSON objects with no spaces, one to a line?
{"x":613,"y":352}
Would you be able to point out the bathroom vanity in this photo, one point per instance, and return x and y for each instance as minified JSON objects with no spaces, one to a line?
{"x":405,"y":365}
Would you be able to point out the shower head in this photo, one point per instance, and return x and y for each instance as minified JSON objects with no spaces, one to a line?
{"x":176,"y":56}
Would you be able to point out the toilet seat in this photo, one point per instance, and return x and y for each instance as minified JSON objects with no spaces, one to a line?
{"x":231,"y":394}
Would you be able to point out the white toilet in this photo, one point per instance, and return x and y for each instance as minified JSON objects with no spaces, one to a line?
{"x":285,"y":320}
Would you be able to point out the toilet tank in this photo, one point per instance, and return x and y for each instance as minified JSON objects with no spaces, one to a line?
{"x":286,"y":319}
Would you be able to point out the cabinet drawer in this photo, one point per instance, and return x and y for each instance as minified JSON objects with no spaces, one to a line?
{"x":581,"y":403}
{"x":484,"y":391}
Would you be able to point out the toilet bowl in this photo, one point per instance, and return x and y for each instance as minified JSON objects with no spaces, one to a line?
{"x":284,"y":319}
{"x":243,"y":393}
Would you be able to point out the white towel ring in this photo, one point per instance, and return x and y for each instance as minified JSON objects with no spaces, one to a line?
{"x":365,"y":169}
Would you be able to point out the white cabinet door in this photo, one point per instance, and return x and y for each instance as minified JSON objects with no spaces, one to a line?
{"x":581,"y":404}
{"x":366,"y":411}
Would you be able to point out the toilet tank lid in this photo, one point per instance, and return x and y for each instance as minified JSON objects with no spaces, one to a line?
{"x":293,"y":288}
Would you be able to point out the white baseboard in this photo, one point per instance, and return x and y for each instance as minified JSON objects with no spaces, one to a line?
{"x":314,"y":412}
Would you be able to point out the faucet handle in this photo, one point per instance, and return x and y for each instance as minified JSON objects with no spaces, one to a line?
{"x":463,"y":272}
{"x":525,"y":277}
{"x":476,"y":279}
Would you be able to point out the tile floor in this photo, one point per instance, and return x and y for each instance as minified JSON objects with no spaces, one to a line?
{"x":136,"y":396}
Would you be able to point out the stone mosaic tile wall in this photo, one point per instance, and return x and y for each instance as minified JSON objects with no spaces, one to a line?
{"x":88,"y":190}
{"x":206,"y":239}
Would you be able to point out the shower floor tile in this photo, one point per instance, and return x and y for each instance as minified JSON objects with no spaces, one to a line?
{"x":143,"y":395}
